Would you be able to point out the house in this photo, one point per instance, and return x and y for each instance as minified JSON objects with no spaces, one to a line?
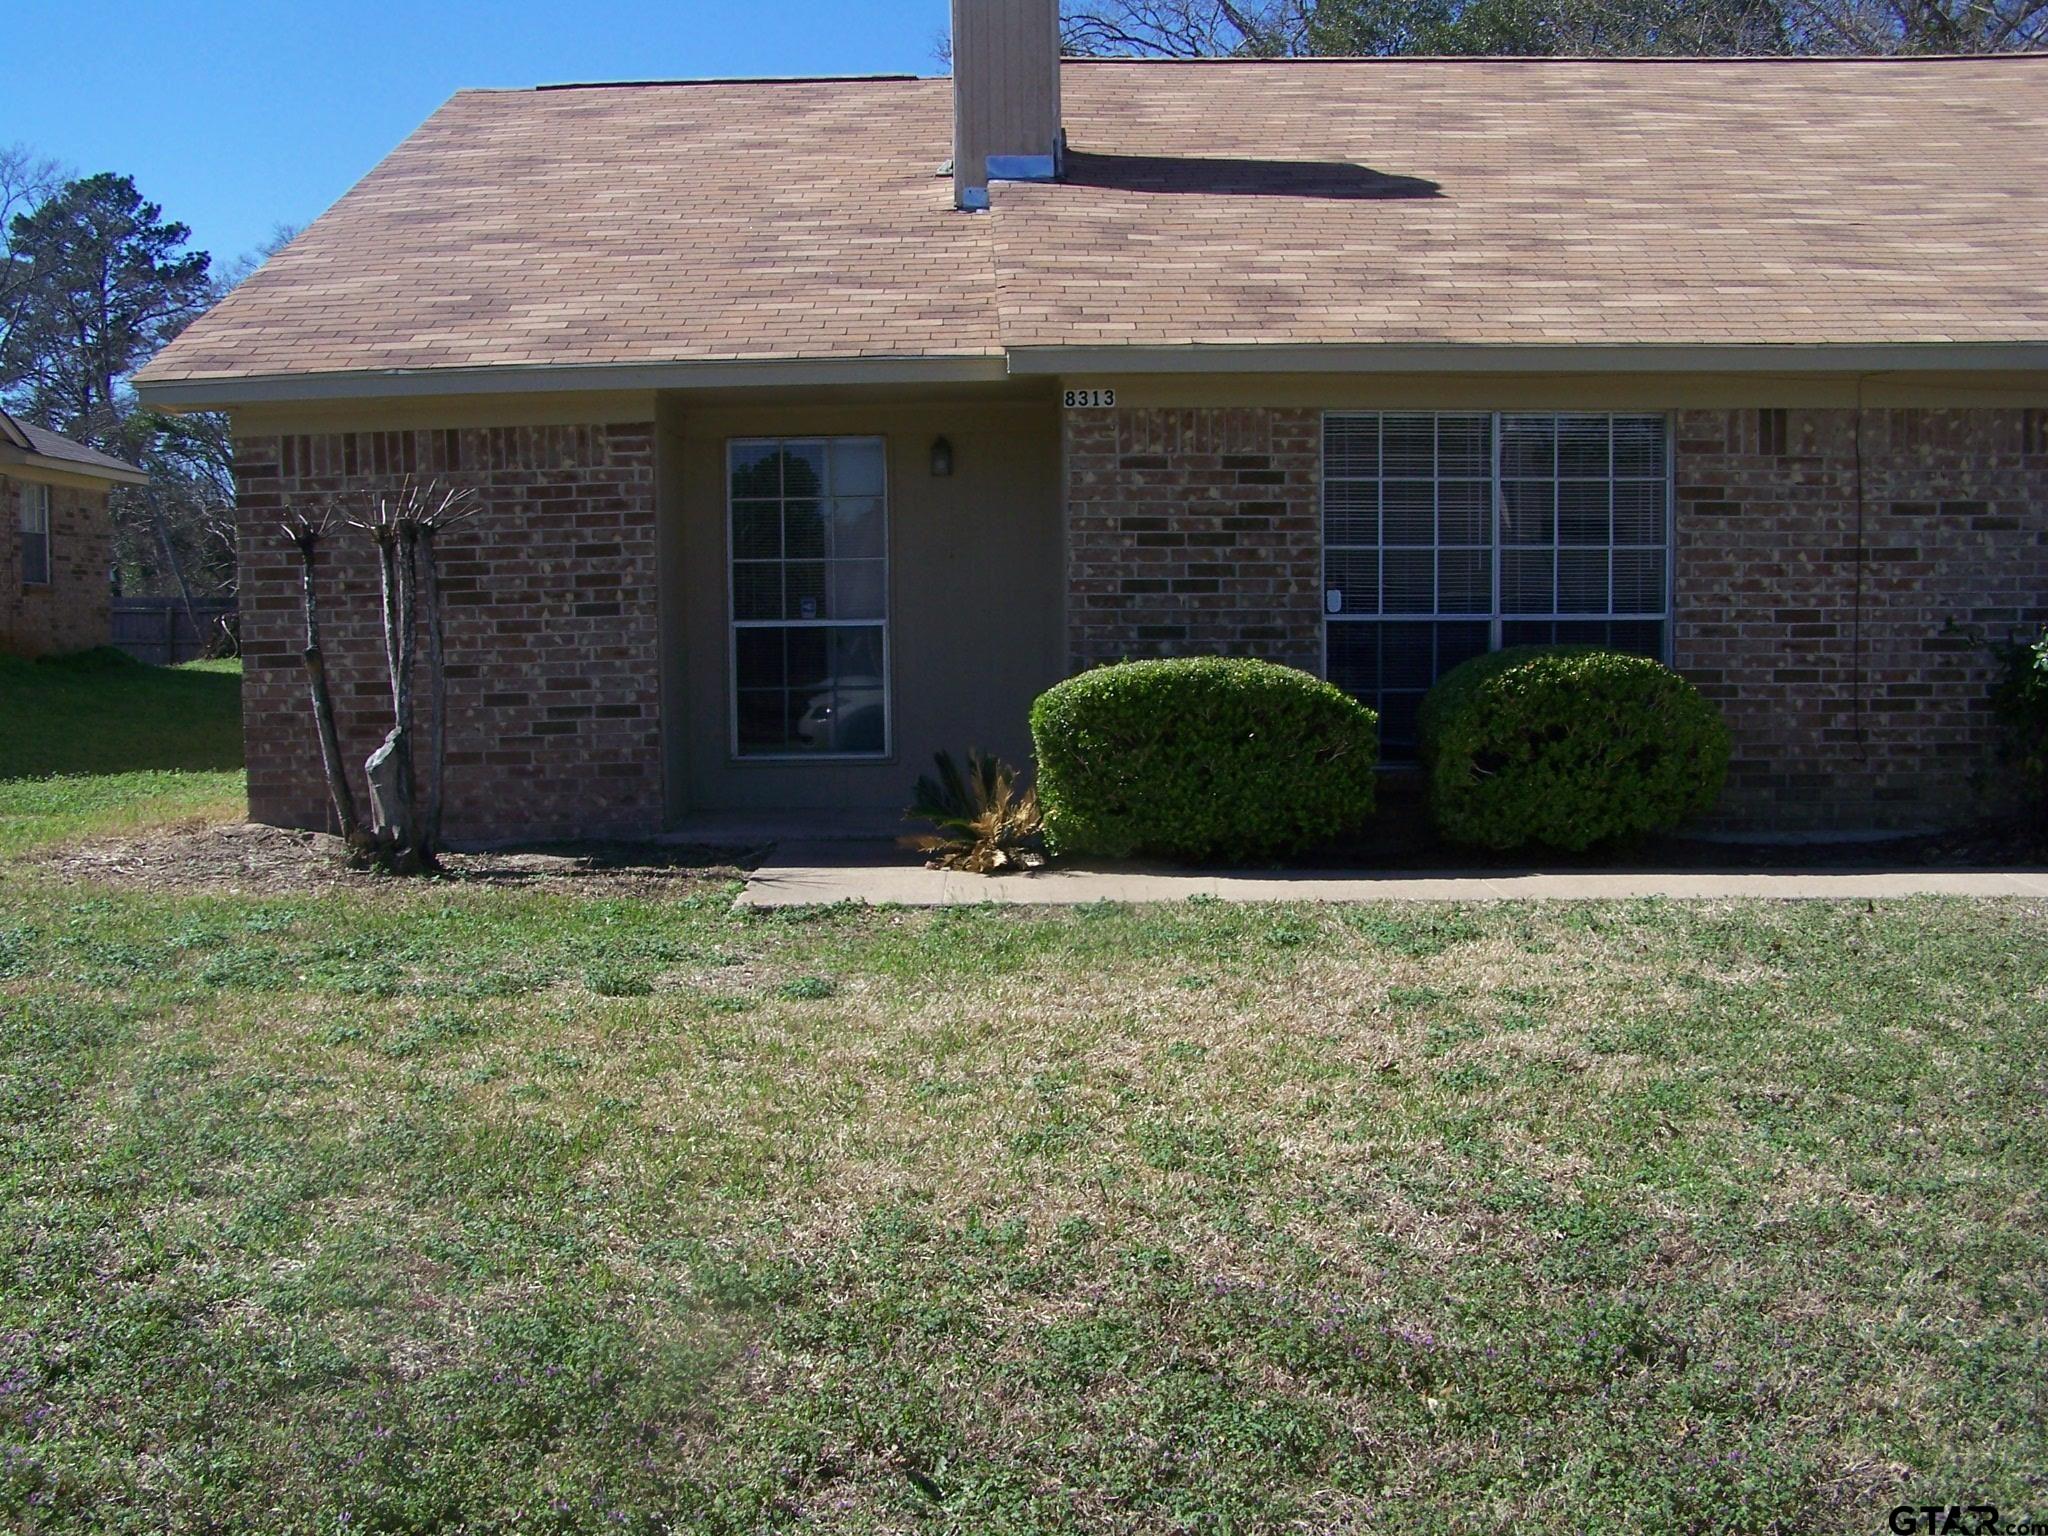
{"x":56,"y":560}
{"x":821,"y":423}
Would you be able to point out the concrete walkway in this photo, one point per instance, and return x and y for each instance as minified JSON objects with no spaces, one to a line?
{"x":799,"y":874}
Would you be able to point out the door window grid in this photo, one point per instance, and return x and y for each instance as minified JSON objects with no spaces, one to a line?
{"x":1447,"y":534}
{"x":807,"y":567}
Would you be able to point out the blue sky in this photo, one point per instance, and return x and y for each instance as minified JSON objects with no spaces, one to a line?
{"x":238,"y":116}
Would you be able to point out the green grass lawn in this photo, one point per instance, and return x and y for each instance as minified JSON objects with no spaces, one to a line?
{"x":98,"y":744}
{"x":477,"y":1210}
{"x":448,"y":1207}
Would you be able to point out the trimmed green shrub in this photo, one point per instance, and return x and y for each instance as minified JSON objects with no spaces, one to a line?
{"x":1568,"y":747}
{"x":1199,"y":759}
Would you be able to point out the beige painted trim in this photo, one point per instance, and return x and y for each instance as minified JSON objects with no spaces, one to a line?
{"x":1567,"y":391}
{"x":744,"y":416}
{"x":1921,"y":373}
{"x":1548,"y":357}
{"x":603,"y":407}
{"x":179,"y":395}
{"x":962,"y":551}
{"x":593,"y":408}
{"x":39,"y":470}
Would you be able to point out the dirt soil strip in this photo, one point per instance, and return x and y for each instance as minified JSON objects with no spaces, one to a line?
{"x":246,"y":858}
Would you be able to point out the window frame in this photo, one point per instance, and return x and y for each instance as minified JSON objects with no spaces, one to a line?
{"x":36,"y":496}
{"x":1496,"y":619}
{"x":736,"y":754}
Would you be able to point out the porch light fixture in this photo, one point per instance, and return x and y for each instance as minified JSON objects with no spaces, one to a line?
{"x":942,"y":458}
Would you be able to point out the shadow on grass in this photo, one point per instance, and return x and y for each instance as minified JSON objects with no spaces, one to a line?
{"x":100,"y":712}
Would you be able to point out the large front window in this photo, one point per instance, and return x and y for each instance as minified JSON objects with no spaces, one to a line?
{"x":809,"y":544}
{"x":1451,"y":533}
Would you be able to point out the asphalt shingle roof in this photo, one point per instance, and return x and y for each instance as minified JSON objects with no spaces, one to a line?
{"x":43,"y":443}
{"x":1399,"y":201}
{"x":1591,"y":202}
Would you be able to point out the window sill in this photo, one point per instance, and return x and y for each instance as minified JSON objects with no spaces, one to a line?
{"x":784,"y":759}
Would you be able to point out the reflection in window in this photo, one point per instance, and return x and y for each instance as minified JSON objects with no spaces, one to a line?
{"x":809,"y":562}
{"x":1447,"y":534}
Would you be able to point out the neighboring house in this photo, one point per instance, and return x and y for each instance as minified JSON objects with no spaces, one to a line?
{"x":59,"y":551}
{"x":797,"y":467}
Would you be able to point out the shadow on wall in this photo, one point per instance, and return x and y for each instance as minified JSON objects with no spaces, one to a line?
{"x":1339,"y":180}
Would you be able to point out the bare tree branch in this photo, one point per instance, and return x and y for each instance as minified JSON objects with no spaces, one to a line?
{"x":305,"y":530}
{"x":1185,"y":29}
{"x":404,"y":834}
{"x":1189,"y":29}
{"x":26,"y":180}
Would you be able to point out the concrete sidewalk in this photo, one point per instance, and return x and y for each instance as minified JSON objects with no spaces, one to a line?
{"x":800,"y":874}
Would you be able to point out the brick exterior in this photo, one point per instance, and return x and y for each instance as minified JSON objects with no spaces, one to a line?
{"x":553,"y":656}
{"x":1194,"y":532}
{"x":71,"y":613}
{"x":1839,"y":632}
{"x":1847,"y":660}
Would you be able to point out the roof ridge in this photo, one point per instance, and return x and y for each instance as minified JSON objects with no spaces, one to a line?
{"x":1305,"y":60}
{"x":635,"y":85}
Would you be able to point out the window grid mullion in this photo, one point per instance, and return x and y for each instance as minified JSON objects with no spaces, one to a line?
{"x":1436,"y":515}
{"x":1387,"y":658}
{"x":1610,"y":514}
{"x":1497,"y":502}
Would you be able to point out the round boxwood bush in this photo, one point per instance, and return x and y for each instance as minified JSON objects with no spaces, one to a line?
{"x":1201,"y":759}
{"x":1568,"y":747}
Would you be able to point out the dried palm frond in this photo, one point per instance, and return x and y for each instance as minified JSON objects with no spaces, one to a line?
{"x":983,"y":822}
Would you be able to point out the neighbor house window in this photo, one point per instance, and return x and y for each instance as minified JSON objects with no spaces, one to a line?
{"x":35,"y":535}
{"x":1449,"y":534}
{"x":809,"y":546}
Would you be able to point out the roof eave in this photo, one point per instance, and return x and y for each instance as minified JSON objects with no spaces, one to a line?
{"x":1537,"y":357}
{"x":228,"y":393}
{"x":233,"y":392}
{"x":64,"y":469}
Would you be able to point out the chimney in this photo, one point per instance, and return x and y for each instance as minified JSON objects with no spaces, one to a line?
{"x":1006,"y":95}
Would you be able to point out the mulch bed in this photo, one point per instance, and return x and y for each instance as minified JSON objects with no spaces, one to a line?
{"x":246,"y":858}
{"x":1988,"y":848}
{"x":1402,"y":838}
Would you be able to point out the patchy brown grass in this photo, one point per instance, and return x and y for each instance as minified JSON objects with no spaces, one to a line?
{"x":1647,"y":1216}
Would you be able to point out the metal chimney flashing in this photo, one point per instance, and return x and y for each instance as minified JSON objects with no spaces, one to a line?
{"x":1015,"y":168}
{"x":1023,"y":167}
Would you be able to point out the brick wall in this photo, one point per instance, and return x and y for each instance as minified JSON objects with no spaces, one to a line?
{"x":553,"y":656}
{"x":1832,"y":651}
{"x":1193,"y":532}
{"x":70,"y":614}
{"x":1846,"y":658}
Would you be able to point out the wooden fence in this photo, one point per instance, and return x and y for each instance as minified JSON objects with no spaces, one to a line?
{"x":156,"y":630}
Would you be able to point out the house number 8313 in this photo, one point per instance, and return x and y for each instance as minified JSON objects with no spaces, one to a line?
{"x":1088,"y":399}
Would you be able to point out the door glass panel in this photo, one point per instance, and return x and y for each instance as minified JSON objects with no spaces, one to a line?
{"x":808,"y":548}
